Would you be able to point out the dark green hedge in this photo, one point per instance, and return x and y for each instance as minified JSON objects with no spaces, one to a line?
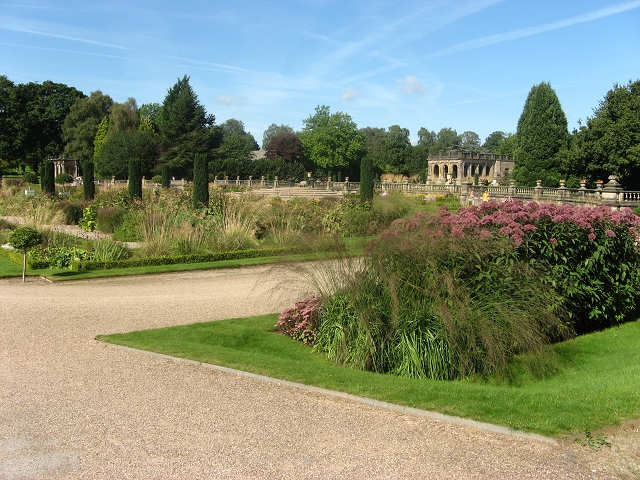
{"x":86,"y":265}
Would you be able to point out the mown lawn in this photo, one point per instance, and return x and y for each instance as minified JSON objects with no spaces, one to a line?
{"x":595,"y":380}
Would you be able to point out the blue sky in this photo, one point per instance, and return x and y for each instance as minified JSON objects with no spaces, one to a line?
{"x":464,"y":64}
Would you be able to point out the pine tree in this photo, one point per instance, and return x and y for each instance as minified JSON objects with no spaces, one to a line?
{"x":542,"y":133}
{"x":48,"y":179}
{"x":135,"y":179}
{"x":366,"y":179}
{"x":88,"y":187}
{"x":200,"y":181}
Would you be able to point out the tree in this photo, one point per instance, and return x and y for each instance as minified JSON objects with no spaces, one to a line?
{"x":88,"y":185}
{"x":120,"y":147}
{"x":288,"y":147}
{"x":446,"y":139}
{"x":470,"y":141}
{"x":135,"y":179}
{"x":166,"y":178}
{"x":185,"y":128}
{"x":48,"y":179}
{"x":542,"y":133}
{"x":366,"y":179}
{"x":31,"y":115}
{"x":124,"y":117}
{"x":493,"y":140}
{"x":374,"y":146}
{"x":507,"y":145}
{"x":101,"y":136}
{"x":81,"y":124}
{"x":426,"y":138}
{"x":200,"y":181}
{"x":237,"y":144}
{"x":274,"y":131}
{"x":609,"y":143}
{"x":396,"y":146}
{"x":23,"y":239}
{"x":332,"y":140}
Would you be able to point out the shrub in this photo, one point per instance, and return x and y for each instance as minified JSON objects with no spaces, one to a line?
{"x":108,"y":251}
{"x":200,"y":181}
{"x":30,"y":177}
{"x":88,"y":220}
{"x":156,"y":179}
{"x":110,"y":218}
{"x":48,"y":180}
{"x":72,"y":211}
{"x":300,"y":322}
{"x":166,"y":178}
{"x":64,"y":178}
{"x":23,"y":239}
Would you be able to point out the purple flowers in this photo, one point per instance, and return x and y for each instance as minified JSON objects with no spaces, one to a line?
{"x":300,"y":322}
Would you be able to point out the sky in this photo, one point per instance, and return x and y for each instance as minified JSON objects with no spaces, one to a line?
{"x":462,"y":64}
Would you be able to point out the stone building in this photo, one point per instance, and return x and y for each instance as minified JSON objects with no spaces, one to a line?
{"x":65,"y":165}
{"x":461,"y":167}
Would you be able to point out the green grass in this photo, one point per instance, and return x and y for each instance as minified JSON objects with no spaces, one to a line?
{"x":596,"y":380}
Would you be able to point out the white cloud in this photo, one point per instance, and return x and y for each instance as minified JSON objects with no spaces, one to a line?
{"x":411,"y":85}
{"x":350,"y":94}
{"x":231,"y":99}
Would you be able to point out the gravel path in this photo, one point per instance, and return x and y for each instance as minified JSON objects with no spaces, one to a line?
{"x":72,"y":407}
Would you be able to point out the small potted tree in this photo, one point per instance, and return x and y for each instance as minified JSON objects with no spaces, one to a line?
{"x":23,"y":239}
{"x":64,"y":178}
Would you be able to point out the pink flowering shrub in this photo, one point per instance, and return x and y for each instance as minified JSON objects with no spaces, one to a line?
{"x":588,"y":255}
{"x":300,"y":322}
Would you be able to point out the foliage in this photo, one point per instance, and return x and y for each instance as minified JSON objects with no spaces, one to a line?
{"x":120,"y":147}
{"x":63,"y":178}
{"x":301,"y":321}
{"x":200,"y":181}
{"x":88,"y":179}
{"x":452,"y":295}
{"x":101,"y":136}
{"x":286,"y":146}
{"x":24,"y":238}
{"x":446,"y":139}
{"x":30,"y":119}
{"x":470,"y":141}
{"x":166,"y":178}
{"x":81,"y":125}
{"x":72,"y":211}
{"x":332,"y":140}
{"x":135,"y":179}
{"x":609,"y":143}
{"x":542,"y":133}
{"x":237,"y":144}
{"x":124,"y":117}
{"x":493,"y":140}
{"x":366,"y":179}
{"x":48,"y":180}
{"x":88,"y":220}
{"x":30,"y":177}
{"x":109,"y":218}
{"x":274,"y":131}
{"x":185,"y":128}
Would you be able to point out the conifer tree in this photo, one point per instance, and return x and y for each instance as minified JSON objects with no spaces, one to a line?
{"x":200,"y":181}
{"x":166,"y":179}
{"x":48,"y":179}
{"x":135,"y":179}
{"x":88,"y":187}
{"x":542,"y":133}
{"x":366,"y":179}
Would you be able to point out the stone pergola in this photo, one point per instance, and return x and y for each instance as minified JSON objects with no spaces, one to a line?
{"x":65,"y":165}
{"x":463,"y":166}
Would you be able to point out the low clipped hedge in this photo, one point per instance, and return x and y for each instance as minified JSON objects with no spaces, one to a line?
{"x":88,"y":265}
{"x":16,"y":257}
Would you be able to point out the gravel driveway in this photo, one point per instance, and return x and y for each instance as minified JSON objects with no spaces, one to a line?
{"x":72,"y":407}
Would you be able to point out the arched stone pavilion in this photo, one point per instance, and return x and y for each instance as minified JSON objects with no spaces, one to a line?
{"x":461,"y":167}
{"x":65,"y":165}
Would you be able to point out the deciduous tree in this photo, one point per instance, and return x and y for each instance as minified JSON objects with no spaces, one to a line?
{"x":332,"y":141}
{"x":81,"y":124}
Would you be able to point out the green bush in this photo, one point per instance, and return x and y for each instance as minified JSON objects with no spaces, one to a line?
{"x":88,"y":220}
{"x":64,"y":178}
{"x":110,"y":218}
{"x":30,"y":177}
{"x":88,"y":185}
{"x":72,"y":211}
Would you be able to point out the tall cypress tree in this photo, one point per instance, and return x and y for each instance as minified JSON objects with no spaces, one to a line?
{"x":48,"y":179}
{"x":166,"y":179}
{"x":135,"y":179}
{"x":88,"y":187}
{"x":366,"y":179}
{"x":542,"y":133}
{"x":200,"y":181}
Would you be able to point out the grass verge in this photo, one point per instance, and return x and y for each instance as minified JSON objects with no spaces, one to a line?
{"x":595,"y":383}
